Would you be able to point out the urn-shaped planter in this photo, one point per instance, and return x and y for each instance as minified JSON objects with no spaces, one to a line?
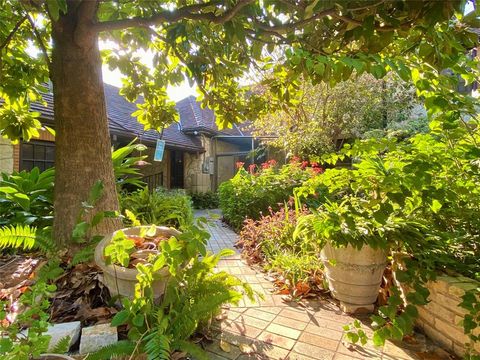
{"x":121,"y":280}
{"x":354,"y":276}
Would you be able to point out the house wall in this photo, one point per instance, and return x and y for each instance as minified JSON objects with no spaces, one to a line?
{"x":6,"y":156}
{"x":156,"y":167}
{"x":195,"y":180}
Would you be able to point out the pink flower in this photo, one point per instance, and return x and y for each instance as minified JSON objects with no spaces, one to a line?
{"x":252,"y":168}
{"x":239,"y":164}
{"x":304,"y":164}
{"x":295,"y":159}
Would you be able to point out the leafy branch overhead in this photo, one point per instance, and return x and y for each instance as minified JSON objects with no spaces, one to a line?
{"x":216,"y":45}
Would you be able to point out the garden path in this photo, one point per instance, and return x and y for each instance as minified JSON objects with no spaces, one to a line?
{"x":275,"y":329}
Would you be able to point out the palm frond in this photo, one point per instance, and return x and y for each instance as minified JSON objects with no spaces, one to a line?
{"x":122,"y":347}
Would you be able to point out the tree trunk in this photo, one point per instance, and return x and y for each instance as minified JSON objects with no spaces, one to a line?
{"x":83,"y":149}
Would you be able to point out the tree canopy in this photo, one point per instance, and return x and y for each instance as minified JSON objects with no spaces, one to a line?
{"x":215,"y":43}
{"x":327,"y":116}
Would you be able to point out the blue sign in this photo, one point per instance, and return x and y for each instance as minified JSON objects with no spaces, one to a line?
{"x":159,"y":150}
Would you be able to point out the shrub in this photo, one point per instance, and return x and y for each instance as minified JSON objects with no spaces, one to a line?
{"x":205,"y":200}
{"x":250,"y":193}
{"x":269,"y":241}
{"x":161,"y":206}
{"x":26,"y":198}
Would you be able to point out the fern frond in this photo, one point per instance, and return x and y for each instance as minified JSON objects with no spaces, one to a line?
{"x":122,"y":347}
{"x":84,"y":255}
{"x":62,"y":346}
{"x":26,"y":238}
{"x":157,"y":346}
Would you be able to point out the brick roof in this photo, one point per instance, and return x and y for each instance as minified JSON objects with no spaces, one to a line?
{"x":179,"y":135}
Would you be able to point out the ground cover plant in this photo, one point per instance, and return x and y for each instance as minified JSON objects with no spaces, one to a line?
{"x":250,"y":193}
{"x":269,"y":242}
{"x":159,"y":206}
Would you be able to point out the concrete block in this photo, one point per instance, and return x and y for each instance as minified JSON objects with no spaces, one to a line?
{"x":60,"y":331}
{"x":96,"y":337}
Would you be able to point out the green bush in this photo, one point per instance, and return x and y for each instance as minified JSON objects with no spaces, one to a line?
{"x":269,"y":242}
{"x":205,"y":200}
{"x":26,"y":198}
{"x":249,"y":194}
{"x":161,"y":206}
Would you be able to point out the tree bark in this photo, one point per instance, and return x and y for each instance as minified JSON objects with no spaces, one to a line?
{"x":83,"y":149}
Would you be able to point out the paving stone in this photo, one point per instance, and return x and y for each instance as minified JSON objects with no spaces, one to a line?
{"x":277,"y":340}
{"x":313,"y":351}
{"x":300,"y":315}
{"x":269,"y":351}
{"x":284,"y":331}
{"x":328,"y":333}
{"x":60,"y":331}
{"x":252,"y":321}
{"x":291,"y":323}
{"x":319,"y":341}
{"x":97,"y":336}
{"x":260,"y":313}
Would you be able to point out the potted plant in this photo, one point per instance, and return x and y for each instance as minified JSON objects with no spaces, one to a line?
{"x":119,"y":253}
{"x":353,"y":248}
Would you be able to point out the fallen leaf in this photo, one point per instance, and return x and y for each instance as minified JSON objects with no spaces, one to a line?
{"x":246,"y":349}
{"x":225,"y":346}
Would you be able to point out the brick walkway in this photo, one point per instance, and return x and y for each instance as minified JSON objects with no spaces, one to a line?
{"x":274,"y":329}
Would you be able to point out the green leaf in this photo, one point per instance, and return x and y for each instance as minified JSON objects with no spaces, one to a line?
{"x":120,"y":318}
{"x":138,"y":320}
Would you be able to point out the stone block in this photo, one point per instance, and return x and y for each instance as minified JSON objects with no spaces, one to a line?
{"x":356,"y":309}
{"x":96,"y":337}
{"x":450,"y":303}
{"x":459,"y":289}
{"x":453,"y":332}
{"x":426,"y":315}
{"x":437,"y":336}
{"x":441,"y":312}
{"x":60,"y":331}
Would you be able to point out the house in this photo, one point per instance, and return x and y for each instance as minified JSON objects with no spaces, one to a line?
{"x":198,"y":156}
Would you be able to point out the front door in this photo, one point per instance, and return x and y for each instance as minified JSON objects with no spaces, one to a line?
{"x":176,"y":169}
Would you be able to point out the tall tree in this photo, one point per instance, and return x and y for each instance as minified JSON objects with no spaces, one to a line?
{"x":213,"y":42}
{"x":326,"y":116}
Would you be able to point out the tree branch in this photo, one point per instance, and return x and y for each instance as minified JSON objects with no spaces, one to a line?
{"x":42,"y":46}
{"x":14,"y":30}
{"x":190,"y":12}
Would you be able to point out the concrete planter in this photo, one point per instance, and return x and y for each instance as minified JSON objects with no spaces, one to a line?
{"x":120,"y":280}
{"x":354,"y":276}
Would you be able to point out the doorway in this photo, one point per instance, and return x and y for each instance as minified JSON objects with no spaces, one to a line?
{"x":176,"y":169}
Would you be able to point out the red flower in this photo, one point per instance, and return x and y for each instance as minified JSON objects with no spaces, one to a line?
{"x":269,"y":164}
{"x":252,"y":168}
{"x":304,"y":164}
{"x":295,"y":159}
{"x":314,"y":164}
{"x":318,"y":170}
{"x":239,"y":164}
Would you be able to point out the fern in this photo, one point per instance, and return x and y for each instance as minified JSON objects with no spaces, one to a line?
{"x":122,"y":347}
{"x":62,"y":346}
{"x":26,"y":238}
{"x":84,"y":255}
{"x":157,"y":346}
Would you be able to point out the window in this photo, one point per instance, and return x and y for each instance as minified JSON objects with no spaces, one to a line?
{"x":39,"y":154}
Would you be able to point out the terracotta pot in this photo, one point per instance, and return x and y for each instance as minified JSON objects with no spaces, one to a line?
{"x":120,"y":280}
{"x":354,"y":276}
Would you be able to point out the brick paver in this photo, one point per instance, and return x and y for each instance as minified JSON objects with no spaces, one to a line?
{"x":272,"y":328}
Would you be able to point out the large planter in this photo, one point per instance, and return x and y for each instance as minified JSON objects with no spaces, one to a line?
{"x":120,"y":280}
{"x":354,"y":276}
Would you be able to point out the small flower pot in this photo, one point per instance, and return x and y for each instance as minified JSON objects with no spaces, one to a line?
{"x":120,"y":280}
{"x":354,"y":276}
